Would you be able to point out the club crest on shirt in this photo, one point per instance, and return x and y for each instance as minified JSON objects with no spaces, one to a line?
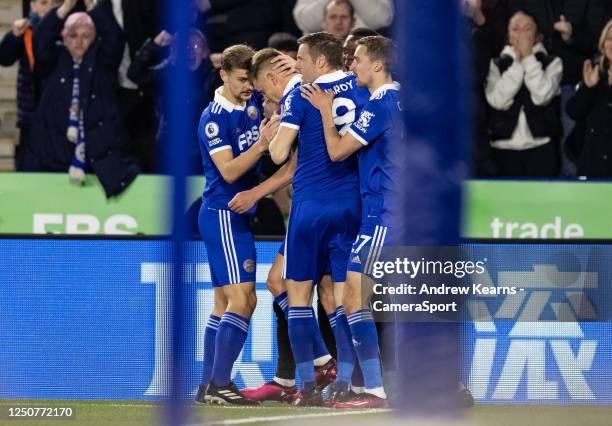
{"x":252,"y":112}
{"x":364,"y":120}
{"x":211,"y":129}
{"x":286,"y":108}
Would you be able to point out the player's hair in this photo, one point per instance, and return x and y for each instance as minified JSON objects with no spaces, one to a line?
{"x":380,"y":49}
{"x":237,"y":56}
{"x":262,"y":59}
{"x":363,"y":32}
{"x":346,"y":2}
{"x":324,"y":44}
{"x":283,"y":41}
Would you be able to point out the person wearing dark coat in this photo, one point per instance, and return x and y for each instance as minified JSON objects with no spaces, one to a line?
{"x":76,"y":128}
{"x":248,"y":21}
{"x":15,"y":46}
{"x":591,"y":107}
{"x":138,"y":19}
{"x":154,"y":63}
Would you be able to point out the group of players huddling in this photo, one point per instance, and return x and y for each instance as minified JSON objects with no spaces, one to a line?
{"x":333,"y":134}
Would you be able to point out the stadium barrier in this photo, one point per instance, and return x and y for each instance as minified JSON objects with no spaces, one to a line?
{"x":87,"y":319}
{"x":527,"y":209}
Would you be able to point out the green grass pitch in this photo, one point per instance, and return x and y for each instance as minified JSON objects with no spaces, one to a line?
{"x":132,"y":413}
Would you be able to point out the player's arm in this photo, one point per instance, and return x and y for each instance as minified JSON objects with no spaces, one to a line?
{"x":232,"y":168}
{"x":280,"y":146}
{"x":243,"y":201}
{"x":338,"y":147}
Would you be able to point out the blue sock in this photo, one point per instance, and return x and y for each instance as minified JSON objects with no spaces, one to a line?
{"x":365,"y":339}
{"x":231,"y":334}
{"x":301,"y":327}
{"x":346,"y":352}
{"x":332,"y":321}
{"x":319,"y":346}
{"x":283,"y":301}
{"x":357,"y":379}
{"x":210,"y":333}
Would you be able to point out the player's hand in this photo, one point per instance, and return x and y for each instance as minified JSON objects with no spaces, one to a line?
{"x":164,"y":38}
{"x":19,"y":26}
{"x":243,"y":201}
{"x":284,"y":65}
{"x":590,"y":73}
{"x":565,"y":28}
{"x":268,"y":129}
{"x":319,"y":98}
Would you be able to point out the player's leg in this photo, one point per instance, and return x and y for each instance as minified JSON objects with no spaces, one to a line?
{"x":231,"y":251}
{"x":325,"y":365}
{"x":357,"y":294}
{"x":301,"y":334}
{"x":210,"y":334}
{"x":347,"y":358}
{"x":208,"y":225}
{"x":304,"y":263}
{"x":282,"y":386}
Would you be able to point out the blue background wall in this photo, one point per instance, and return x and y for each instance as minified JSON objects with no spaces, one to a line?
{"x":86,"y":319}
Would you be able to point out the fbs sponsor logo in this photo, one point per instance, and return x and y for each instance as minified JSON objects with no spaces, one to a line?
{"x":501,"y":228}
{"x":57,"y":223}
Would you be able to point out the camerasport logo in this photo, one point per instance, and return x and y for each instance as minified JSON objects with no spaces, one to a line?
{"x":516,"y":349}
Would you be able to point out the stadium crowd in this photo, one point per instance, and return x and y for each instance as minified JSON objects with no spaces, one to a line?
{"x":541,"y":86}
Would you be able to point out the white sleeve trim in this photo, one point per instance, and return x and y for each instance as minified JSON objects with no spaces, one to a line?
{"x":359,"y":138}
{"x":290,"y":125}
{"x":221,"y":148}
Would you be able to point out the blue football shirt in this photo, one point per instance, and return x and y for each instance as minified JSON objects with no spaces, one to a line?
{"x":224,"y":125}
{"x":378,"y":127}
{"x":316,"y":176}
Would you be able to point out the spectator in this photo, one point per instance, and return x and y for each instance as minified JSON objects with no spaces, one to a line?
{"x":149,"y":68}
{"x":570,"y":29}
{"x":487,"y":20}
{"x":350,"y":44}
{"x":338,"y":18}
{"x":76,"y":126}
{"x":375,"y":14}
{"x":591,"y":106}
{"x":250,"y":22}
{"x":138,"y":19}
{"x":522,"y":89}
{"x":285,"y":43}
{"x":17,"y":46}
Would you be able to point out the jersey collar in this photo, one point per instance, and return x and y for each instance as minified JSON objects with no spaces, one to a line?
{"x":382,"y":89}
{"x":331,"y":77}
{"x":292,"y":83}
{"x":225,"y":103}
